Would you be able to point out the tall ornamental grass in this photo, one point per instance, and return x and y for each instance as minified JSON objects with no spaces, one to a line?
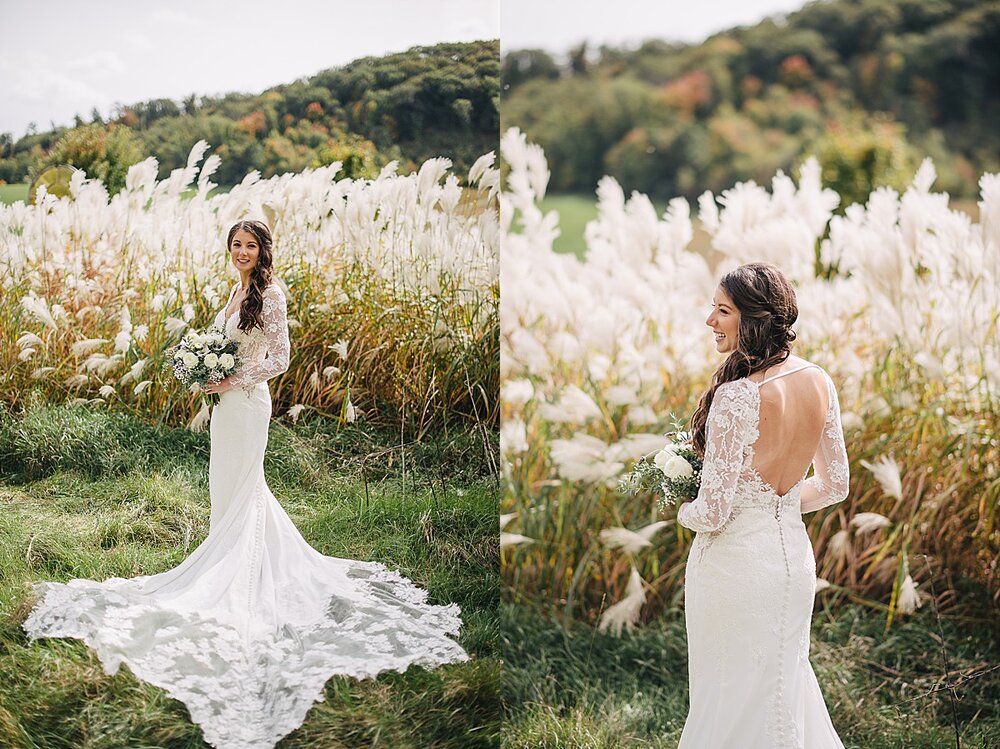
{"x":601,"y":355}
{"x":392,"y":287}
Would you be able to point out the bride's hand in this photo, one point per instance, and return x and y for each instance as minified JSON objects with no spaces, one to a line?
{"x":218,"y":387}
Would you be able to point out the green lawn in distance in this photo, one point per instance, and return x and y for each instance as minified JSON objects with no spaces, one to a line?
{"x":576,"y":210}
{"x":13,"y":193}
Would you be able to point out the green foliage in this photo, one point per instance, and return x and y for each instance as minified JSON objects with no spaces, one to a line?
{"x":857,"y":159}
{"x":584,"y":117}
{"x":439,"y":100}
{"x":104,"y":152}
{"x":667,"y":119}
{"x":522,"y":65}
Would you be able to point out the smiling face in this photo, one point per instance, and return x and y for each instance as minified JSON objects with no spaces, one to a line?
{"x":244,"y":250}
{"x":724,"y":322}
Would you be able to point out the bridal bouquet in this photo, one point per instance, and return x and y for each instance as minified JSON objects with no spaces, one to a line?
{"x":204,"y":357}
{"x":674,"y":472}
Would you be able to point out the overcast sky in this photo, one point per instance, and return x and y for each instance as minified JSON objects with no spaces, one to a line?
{"x":63,"y":57}
{"x":557,"y":25}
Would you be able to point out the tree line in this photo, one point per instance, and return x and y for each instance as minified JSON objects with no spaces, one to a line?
{"x":869,"y":87}
{"x":440,"y":100}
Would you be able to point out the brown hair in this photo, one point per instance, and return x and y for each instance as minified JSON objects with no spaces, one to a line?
{"x":260,"y":276}
{"x":766,"y":301}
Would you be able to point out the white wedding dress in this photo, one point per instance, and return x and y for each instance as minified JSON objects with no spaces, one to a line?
{"x":247,"y":630}
{"x":750,"y":582}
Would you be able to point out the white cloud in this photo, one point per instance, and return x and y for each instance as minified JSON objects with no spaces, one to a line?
{"x":40,"y":83}
{"x":131,"y":52}
{"x":101,"y":62}
{"x":172,"y":17}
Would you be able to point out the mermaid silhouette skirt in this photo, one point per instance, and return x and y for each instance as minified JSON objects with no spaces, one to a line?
{"x":248,"y":628}
{"x":748,"y":599}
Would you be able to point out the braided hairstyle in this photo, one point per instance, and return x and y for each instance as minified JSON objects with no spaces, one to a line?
{"x":260,"y":276}
{"x":767,"y":306}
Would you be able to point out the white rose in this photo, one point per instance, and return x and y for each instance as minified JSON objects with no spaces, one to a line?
{"x":226,"y":361}
{"x":677,"y":468}
{"x":211,"y":360}
{"x":661,"y":458}
{"x":190,"y":360}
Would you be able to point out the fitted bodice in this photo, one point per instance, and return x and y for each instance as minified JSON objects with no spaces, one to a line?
{"x":729,"y":480}
{"x":263,"y":350}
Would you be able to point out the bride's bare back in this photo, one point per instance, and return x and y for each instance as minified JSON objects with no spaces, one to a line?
{"x":762,"y":434}
{"x":793,"y":410}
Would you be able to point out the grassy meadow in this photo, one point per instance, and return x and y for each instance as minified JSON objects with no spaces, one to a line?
{"x":13,"y":193}
{"x":90,"y":493}
{"x":574,"y":687}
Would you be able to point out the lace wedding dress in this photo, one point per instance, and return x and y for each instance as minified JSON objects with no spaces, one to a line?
{"x":749,"y":585}
{"x":247,"y":630}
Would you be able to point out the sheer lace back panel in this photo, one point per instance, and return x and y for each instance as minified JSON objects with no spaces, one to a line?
{"x":730,"y":477}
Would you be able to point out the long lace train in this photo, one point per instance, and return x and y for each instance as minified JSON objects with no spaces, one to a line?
{"x":250,"y":626}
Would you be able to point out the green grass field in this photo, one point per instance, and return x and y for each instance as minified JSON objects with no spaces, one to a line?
{"x":13,"y":193}
{"x":87,"y":493}
{"x":576,"y":688}
{"x":576,"y":210}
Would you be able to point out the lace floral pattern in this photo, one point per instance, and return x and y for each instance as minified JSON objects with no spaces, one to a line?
{"x":831,"y":481}
{"x":729,"y":457}
{"x":731,"y":421}
{"x":249,"y":695}
{"x":265,"y":350}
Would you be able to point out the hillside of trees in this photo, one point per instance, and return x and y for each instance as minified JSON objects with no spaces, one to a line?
{"x":440,"y":100}
{"x":870,"y":87}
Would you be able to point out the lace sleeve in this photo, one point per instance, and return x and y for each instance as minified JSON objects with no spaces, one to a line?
{"x":274,"y":319}
{"x":732,"y":419}
{"x":831,"y":474}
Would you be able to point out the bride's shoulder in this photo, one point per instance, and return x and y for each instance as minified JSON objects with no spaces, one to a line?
{"x":273,"y":289}
{"x":798,"y":361}
{"x":741,"y":389}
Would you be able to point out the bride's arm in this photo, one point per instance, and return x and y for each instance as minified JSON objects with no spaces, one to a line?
{"x":274,"y":317}
{"x":831,"y":478}
{"x":730,"y":419}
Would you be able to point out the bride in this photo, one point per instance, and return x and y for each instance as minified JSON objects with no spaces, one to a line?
{"x":247,"y":630}
{"x":751,"y":576}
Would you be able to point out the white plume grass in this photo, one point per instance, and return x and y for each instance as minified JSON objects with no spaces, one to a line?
{"x":625,"y":613}
{"x":631,"y":542}
{"x":886,"y":472}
